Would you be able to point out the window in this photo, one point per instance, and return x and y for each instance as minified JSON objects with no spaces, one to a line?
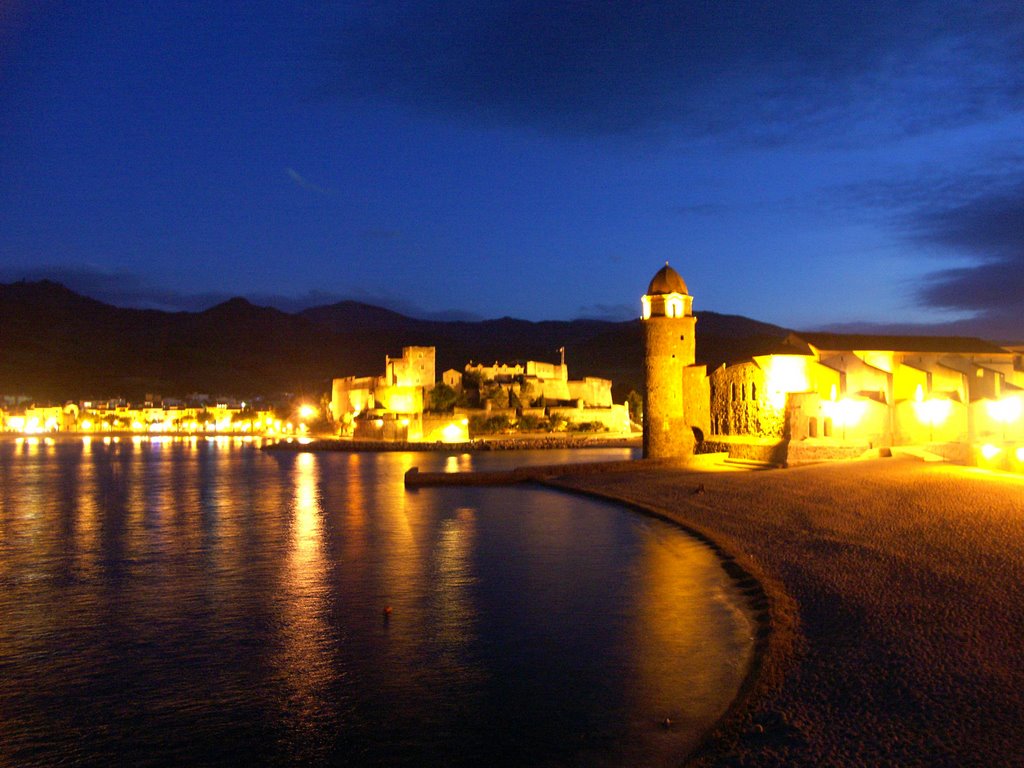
{"x":753,"y":391}
{"x":732,"y":392}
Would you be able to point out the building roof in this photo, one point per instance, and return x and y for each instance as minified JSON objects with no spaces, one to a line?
{"x":938,"y":344}
{"x":791,"y":345}
{"x":666,"y":281}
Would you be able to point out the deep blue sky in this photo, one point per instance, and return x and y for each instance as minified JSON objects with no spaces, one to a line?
{"x":809,"y":164}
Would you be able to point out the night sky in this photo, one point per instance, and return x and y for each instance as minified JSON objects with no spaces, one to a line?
{"x":851,"y":165}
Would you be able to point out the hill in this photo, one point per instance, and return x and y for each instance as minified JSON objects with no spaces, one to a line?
{"x":56,"y":344}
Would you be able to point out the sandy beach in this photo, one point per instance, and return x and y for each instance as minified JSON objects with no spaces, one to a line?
{"x":896,"y":607}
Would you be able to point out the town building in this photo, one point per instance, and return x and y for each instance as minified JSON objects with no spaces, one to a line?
{"x":816,"y":395}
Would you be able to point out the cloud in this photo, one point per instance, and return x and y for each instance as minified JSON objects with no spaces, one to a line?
{"x":989,"y":228}
{"x":302,"y":182}
{"x":975,"y":216}
{"x":764,"y":70}
{"x":612,"y":312}
{"x":128,"y":289}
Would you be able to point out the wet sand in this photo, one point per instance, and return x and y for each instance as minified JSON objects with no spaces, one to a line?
{"x":895,"y":607}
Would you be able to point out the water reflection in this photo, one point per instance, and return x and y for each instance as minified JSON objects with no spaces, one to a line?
{"x":303,"y":662}
{"x":205,"y":602}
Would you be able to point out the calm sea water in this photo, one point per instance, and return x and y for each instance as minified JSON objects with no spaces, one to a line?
{"x":208,"y":603}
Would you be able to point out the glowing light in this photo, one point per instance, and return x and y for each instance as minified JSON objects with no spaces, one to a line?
{"x":51,"y":424}
{"x":1020,"y":453}
{"x":990,"y":451}
{"x":785,"y":374}
{"x":1005,"y":411}
{"x":16,"y":423}
{"x":845,"y":412}
{"x":86,"y":425}
{"x":405,"y":422}
{"x":307,"y":412}
{"x":454,"y":433}
{"x":379,"y":423}
{"x":645,"y":302}
{"x":932,"y":411}
{"x":136,"y":425}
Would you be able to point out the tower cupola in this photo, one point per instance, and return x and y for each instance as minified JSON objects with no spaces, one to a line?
{"x":667,"y":296}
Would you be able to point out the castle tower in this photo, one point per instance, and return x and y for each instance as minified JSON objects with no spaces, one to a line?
{"x":669,"y":349}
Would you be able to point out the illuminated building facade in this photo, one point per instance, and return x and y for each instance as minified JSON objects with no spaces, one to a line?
{"x":873,"y":391}
{"x":103,"y":416}
{"x":391,"y":406}
{"x":675,"y":395}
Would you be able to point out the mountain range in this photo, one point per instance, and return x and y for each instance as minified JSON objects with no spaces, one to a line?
{"x":58,"y":345}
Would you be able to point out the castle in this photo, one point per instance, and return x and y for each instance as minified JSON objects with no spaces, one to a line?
{"x":396,"y":405}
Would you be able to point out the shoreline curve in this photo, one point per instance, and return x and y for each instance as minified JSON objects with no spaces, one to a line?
{"x":770,"y":607}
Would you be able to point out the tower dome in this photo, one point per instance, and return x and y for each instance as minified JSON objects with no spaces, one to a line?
{"x":667,"y":281}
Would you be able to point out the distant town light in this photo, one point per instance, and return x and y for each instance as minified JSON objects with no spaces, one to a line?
{"x":307,"y":411}
{"x":1020,"y":453}
{"x":990,"y":451}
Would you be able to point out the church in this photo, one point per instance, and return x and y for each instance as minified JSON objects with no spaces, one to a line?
{"x":817,"y":396}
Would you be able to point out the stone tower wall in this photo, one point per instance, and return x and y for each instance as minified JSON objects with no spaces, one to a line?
{"x":669,"y":344}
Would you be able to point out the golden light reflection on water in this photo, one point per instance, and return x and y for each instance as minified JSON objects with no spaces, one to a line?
{"x":303,"y":662}
{"x":675,"y":627}
{"x":212,"y":574}
{"x":454,"y":575}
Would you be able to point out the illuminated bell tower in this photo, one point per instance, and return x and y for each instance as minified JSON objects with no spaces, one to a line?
{"x":669,"y":348}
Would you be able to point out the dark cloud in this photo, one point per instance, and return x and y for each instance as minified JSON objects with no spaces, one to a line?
{"x":989,"y":228}
{"x":127,"y":289}
{"x":767,"y":70}
{"x":120,"y":288}
{"x":997,"y":327}
{"x":611,"y":312}
{"x":974,"y":215}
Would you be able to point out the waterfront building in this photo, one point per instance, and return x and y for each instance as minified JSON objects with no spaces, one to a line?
{"x":815,"y":395}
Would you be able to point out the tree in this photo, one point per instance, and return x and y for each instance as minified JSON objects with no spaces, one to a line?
{"x":526,"y":393}
{"x":441,"y":399}
{"x":493,"y":391}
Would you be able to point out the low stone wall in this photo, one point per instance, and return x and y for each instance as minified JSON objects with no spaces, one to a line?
{"x":753,"y":449}
{"x":801,"y":452}
{"x":544,"y":442}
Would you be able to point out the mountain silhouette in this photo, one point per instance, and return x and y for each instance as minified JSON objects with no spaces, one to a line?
{"x":58,"y":345}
